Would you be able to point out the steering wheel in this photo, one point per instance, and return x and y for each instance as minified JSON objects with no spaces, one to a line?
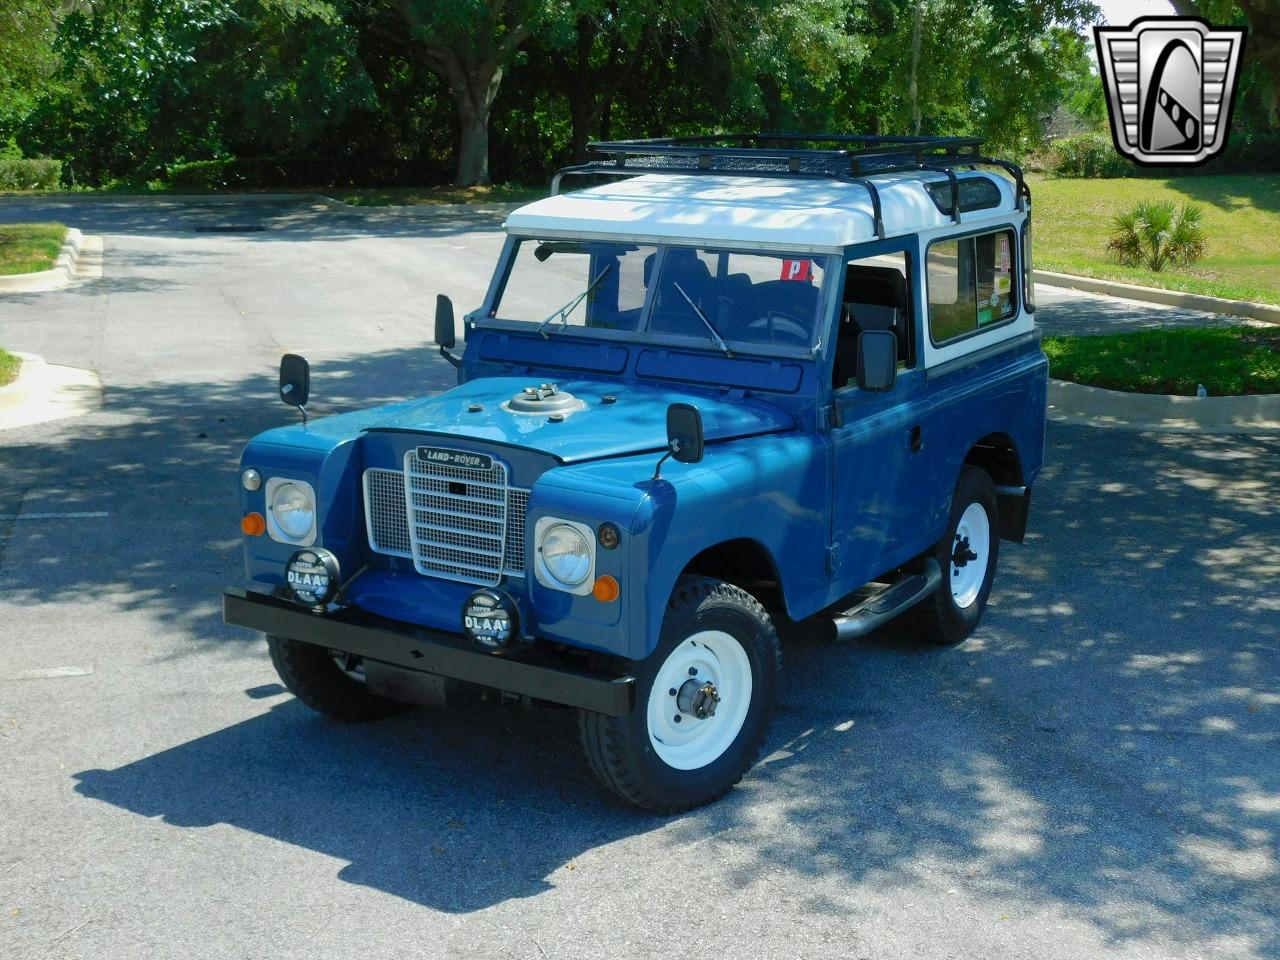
{"x":781,"y":327}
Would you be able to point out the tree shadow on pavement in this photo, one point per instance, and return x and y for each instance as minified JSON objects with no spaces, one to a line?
{"x":1103,"y":749}
{"x":302,"y":219}
{"x":1104,"y":746}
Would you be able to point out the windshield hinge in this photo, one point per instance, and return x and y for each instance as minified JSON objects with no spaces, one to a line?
{"x":833,"y":558}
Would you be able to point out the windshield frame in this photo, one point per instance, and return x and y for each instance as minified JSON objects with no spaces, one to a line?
{"x":487,"y":317}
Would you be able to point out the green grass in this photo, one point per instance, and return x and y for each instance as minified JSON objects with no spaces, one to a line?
{"x":1229,"y":361}
{"x":425,"y":196}
{"x":9,"y":365}
{"x":1241,"y":217}
{"x":29,"y":247}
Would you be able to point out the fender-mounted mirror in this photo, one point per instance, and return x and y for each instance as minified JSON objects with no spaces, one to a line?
{"x":684,"y":435}
{"x":295,"y":382}
{"x":445,"y":335}
{"x":684,"y":432}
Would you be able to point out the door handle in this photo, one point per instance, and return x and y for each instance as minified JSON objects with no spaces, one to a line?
{"x":914,"y":440}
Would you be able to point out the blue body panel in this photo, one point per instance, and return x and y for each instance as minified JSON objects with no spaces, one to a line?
{"x":836,"y":487}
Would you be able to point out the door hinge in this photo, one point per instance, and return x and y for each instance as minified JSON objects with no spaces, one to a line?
{"x":833,"y":558}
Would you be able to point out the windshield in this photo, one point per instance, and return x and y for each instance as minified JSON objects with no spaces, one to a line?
{"x":697,"y":293}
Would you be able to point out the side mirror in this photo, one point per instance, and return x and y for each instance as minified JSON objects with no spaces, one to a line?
{"x":877,"y":360}
{"x":684,"y":432}
{"x":295,"y":380}
{"x":445,"y":336}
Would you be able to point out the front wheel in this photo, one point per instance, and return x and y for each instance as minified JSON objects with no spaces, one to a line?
{"x":967,"y":556}
{"x":328,"y":681}
{"x":704,"y":703}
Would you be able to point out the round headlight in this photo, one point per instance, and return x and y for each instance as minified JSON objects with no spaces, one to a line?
{"x":566,"y":554}
{"x":293,"y":511}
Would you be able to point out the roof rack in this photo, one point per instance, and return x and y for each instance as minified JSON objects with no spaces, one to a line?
{"x":820,"y":156}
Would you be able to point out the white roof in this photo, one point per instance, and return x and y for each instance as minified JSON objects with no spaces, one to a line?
{"x":767,"y":213}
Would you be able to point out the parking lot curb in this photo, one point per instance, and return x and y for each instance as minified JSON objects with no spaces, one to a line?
{"x":1169,"y":298}
{"x":1094,"y":406}
{"x":44,"y":392}
{"x":61,"y":274}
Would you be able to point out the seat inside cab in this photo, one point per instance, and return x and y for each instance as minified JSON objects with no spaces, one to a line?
{"x":876,"y":297}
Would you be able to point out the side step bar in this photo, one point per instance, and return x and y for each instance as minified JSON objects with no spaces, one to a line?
{"x":881,"y":607}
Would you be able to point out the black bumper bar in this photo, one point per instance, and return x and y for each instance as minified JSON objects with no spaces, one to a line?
{"x":427,"y":651}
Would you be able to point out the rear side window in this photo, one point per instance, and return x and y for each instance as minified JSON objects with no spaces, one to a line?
{"x":970,"y":284}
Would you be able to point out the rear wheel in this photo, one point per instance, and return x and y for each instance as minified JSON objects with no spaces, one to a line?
{"x":328,"y":681}
{"x":704,"y":703}
{"x":967,"y":556}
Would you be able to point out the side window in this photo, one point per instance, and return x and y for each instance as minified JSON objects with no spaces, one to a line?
{"x":876,"y":297}
{"x":970,"y":284}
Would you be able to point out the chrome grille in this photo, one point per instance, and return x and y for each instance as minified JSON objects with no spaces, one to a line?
{"x":454,"y":522}
{"x":385,"y":515}
{"x":517,"y":508}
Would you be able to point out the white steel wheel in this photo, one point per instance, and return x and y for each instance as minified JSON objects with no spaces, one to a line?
{"x":699,"y":700}
{"x":971,"y":549}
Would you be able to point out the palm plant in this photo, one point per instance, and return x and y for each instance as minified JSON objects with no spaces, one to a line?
{"x":1156,"y":235}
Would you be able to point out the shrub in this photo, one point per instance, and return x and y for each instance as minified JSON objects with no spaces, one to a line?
{"x":20,"y":173}
{"x":1246,"y":152}
{"x":1156,"y":235}
{"x":1089,"y":155}
{"x":198,"y":175}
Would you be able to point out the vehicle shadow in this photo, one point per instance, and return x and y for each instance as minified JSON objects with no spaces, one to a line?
{"x":1105,"y":746}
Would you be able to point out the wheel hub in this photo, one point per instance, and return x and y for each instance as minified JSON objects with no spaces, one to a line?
{"x":963,"y":553}
{"x":698,"y":699}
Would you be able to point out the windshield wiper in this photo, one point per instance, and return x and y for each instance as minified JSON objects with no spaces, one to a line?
{"x":715,"y":334}
{"x":568,"y":308}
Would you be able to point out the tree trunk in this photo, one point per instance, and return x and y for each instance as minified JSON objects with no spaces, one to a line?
{"x":473,"y":146}
{"x":913,"y":89}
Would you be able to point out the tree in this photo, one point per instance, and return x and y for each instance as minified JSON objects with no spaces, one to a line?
{"x":1262,"y":47}
{"x":471,"y":44}
{"x":27,"y":31}
{"x":993,"y":68}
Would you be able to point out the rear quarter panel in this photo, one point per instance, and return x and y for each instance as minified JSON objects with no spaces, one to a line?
{"x":991,"y":392}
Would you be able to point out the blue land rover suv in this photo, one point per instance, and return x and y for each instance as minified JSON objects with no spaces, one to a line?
{"x":732,"y":385}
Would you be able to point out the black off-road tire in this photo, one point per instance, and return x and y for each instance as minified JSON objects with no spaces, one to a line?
{"x":938,"y":618}
{"x":312,"y":676}
{"x":619,"y":749}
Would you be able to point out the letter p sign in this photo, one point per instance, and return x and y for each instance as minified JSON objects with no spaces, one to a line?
{"x":797,"y":270}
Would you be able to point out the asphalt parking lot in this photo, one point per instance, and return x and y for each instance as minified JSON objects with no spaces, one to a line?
{"x":1095,"y":774}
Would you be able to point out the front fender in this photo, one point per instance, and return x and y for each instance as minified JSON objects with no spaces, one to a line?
{"x":772,"y":489}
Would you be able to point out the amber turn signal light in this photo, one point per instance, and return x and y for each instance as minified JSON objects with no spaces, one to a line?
{"x":606,"y":590}
{"x":253,"y":525}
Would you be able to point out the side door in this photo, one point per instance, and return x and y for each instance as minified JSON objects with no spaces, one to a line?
{"x":881,"y":469}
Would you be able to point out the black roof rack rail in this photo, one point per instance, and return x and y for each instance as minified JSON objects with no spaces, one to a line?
{"x":819,"y":156}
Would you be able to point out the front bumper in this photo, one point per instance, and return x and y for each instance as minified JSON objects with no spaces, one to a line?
{"x":428,"y":651}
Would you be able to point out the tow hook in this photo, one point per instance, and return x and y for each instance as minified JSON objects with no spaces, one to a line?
{"x":698,"y":699}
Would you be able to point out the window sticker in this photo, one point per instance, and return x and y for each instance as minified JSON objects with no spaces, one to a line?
{"x":797,"y":270}
{"x":1004,"y":251}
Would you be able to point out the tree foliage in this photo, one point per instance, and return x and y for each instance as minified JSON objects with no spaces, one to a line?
{"x":384,"y":91}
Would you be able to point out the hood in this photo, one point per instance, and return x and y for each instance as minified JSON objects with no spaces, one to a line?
{"x":498,"y":410}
